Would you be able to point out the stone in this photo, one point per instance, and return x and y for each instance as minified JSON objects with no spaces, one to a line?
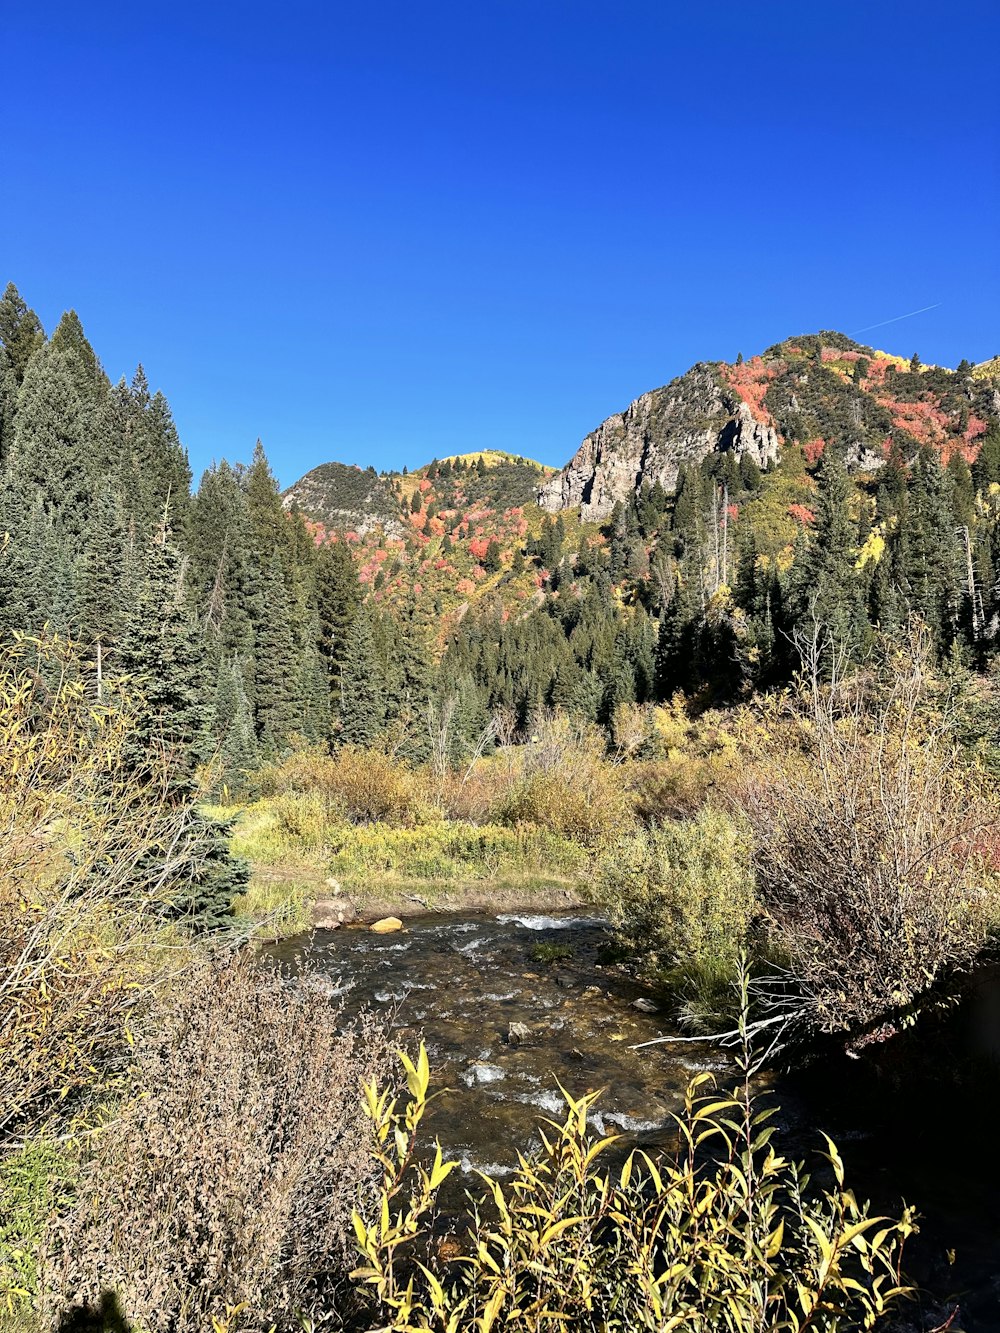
{"x":695,"y":415}
{"x":387,"y":925}
{"x":565,"y":979}
{"x":645,"y":1006}
{"x":518,"y":1034}
{"x":330,"y":913}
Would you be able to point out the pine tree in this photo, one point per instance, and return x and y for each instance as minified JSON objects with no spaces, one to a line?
{"x":49,"y":453}
{"x":21,"y":332}
{"x":362,"y":687}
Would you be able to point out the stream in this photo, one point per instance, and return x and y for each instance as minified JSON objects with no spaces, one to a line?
{"x":915,"y":1120}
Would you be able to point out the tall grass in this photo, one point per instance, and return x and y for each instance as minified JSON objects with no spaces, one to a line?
{"x":453,"y":851}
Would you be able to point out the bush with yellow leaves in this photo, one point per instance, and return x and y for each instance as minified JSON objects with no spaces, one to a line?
{"x":726,"y":1234}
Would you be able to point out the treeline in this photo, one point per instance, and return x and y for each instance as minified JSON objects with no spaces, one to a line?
{"x":710,"y":590}
{"x":247,"y":634}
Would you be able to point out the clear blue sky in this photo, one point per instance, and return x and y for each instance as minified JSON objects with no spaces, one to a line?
{"x":380,"y":232}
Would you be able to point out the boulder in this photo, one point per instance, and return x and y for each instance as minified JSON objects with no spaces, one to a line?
{"x":329,"y":913}
{"x":387,"y":925}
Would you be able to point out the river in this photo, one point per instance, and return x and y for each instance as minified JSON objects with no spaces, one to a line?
{"x":915,"y":1120}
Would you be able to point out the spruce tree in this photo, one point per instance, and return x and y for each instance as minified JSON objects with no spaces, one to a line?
{"x":362,"y":687}
{"x":50,"y":452}
{"x":160,"y":654}
{"x":338,"y":596}
{"x":279,"y":696}
{"x":829,"y":588}
{"x":21,"y":332}
{"x":91,"y":382}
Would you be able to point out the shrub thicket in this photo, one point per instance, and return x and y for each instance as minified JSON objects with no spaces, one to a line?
{"x":727,"y":1234}
{"x":228,"y":1179}
{"x":681,"y":898}
{"x":872,"y":842}
{"x":84,"y":900}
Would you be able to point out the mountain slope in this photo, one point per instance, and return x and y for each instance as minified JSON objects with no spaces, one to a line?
{"x":817,"y":390}
{"x":338,"y":496}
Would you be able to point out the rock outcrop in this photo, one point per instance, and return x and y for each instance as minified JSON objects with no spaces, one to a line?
{"x":653,"y":438}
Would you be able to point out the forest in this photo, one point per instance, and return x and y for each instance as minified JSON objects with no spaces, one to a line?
{"x":753,"y":719}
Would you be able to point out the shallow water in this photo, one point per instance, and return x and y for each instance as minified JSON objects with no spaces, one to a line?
{"x":461,"y":982}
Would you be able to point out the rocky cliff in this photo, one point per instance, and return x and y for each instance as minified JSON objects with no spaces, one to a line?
{"x":813,"y":390}
{"x":653,"y":438}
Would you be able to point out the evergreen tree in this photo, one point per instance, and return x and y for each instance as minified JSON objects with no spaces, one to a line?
{"x":338,"y":596}
{"x":362,"y":687}
{"x":827,"y":583}
{"x":21,"y":332}
{"x":279,"y":694}
{"x":49,"y":454}
{"x":160,"y":653}
{"x":233,"y":722}
{"x":92,"y":384}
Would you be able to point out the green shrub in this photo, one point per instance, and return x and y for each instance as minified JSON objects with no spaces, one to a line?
{"x":34,"y":1181}
{"x":548,"y":952}
{"x":681,"y":898}
{"x":293,"y":828}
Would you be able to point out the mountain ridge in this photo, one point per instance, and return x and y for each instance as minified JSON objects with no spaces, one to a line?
{"x":810,"y":390}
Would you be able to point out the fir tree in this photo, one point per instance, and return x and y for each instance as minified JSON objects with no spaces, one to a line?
{"x":362,"y":687}
{"x":338,"y":596}
{"x":160,"y":653}
{"x":828,"y":587}
{"x":49,"y":454}
{"x":21,"y":332}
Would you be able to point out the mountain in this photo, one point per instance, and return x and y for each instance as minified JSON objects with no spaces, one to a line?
{"x":814,"y":390}
{"x":339,"y":497}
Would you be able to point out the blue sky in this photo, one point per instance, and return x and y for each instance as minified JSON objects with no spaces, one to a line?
{"x":382,"y":232}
